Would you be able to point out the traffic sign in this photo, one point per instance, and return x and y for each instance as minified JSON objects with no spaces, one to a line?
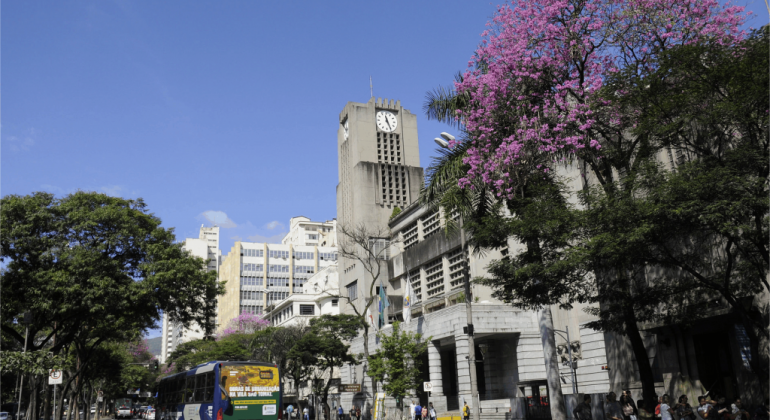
{"x":54,"y":377}
{"x":427,"y":386}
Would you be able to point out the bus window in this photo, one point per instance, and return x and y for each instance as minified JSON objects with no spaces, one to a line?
{"x":208,"y":396}
{"x":180,"y":383}
{"x":200,"y":387}
{"x":189,"y":395}
{"x":223,"y":384}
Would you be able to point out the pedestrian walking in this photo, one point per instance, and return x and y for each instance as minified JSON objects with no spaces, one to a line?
{"x":466,"y":411}
{"x":612,"y":409}
{"x":358,"y":413}
{"x":432,"y":412}
{"x":583,"y":410}
{"x":418,"y":411}
{"x":305,"y":412}
{"x":289,"y":410}
{"x":666,"y":412}
{"x":411,"y":410}
{"x":628,"y":407}
{"x":340,"y":413}
{"x":425,"y":413}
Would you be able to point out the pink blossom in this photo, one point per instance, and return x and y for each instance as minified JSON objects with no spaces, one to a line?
{"x":245,"y":323}
{"x":569,"y":46}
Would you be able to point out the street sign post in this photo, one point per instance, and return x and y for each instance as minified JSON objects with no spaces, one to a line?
{"x":54,"y":377}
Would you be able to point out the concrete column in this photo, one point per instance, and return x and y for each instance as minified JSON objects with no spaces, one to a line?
{"x":463,"y":370}
{"x":436,"y":377}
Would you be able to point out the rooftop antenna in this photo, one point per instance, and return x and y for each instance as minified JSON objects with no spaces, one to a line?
{"x":371,"y":90}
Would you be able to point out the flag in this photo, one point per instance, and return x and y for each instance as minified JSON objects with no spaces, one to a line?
{"x":408,"y":298}
{"x":383,"y":304}
{"x":369,"y":317}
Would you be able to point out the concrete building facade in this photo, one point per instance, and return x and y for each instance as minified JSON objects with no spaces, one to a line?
{"x":379,"y":170}
{"x":303,"y":231}
{"x":205,"y":246}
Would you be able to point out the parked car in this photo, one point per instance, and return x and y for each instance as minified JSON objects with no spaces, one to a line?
{"x":125,"y":412}
{"x":150,"y":414}
{"x":4,"y":415}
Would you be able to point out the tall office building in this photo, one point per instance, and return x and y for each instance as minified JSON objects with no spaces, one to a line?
{"x":379,"y":169}
{"x":259,"y":276}
{"x":205,"y":246}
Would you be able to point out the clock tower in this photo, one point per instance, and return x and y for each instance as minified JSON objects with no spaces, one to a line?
{"x":379,"y":170}
{"x":379,"y":162}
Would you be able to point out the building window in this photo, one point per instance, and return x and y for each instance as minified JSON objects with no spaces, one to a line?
{"x":328,"y":256}
{"x":306,"y":309}
{"x":279,"y":254}
{"x":252,"y":253}
{"x":335,"y":302}
{"x":312,"y":237}
{"x":353,"y":290}
{"x":380,"y":248}
{"x":304,"y":269}
{"x":304,"y":256}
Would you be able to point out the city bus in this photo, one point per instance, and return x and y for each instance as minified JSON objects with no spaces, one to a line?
{"x":222,"y":390}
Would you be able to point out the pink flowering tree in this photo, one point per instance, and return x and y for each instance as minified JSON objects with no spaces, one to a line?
{"x":245,"y":323}
{"x":541,"y":90}
{"x":535,"y":83}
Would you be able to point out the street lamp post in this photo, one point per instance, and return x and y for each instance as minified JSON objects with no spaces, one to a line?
{"x":572,"y":362}
{"x":475,"y":409}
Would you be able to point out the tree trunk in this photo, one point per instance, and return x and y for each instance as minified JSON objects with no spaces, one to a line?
{"x":47,"y":401}
{"x":642,"y":359}
{"x":556,"y":398}
{"x":366,"y":357}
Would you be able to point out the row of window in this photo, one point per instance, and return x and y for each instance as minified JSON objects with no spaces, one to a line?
{"x":304,"y":255}
{"x":327,"y":256}
{"x":277,"y":282}
{"x":253,"y":252}
{"x":252,"y":267}
{"x":275,"y":268}
{"x":251,"y":309}
{"x":304,"y":269}
{"x":274,"y":297}
{"x":192,"y":389}
{"x":279,"y":254}
{"x":251,"y":295}
{"x":252,"y":281}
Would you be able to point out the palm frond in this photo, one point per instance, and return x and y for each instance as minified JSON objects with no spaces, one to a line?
{"x":442,"y":103}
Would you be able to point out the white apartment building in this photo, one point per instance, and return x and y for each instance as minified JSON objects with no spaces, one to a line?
{"x":318,"y":297}
{"x":205,"y":246}
{"x":303,"y":231}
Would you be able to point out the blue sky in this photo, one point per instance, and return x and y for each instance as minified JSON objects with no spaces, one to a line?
{"x":221,"y":111}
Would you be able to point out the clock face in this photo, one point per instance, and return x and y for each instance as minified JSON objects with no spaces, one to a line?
{"x":386,"y":121}
{"x":346,"y":129}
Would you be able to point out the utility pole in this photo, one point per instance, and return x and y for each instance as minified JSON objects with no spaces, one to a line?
{"x":27,"y":321}
{"x":476,"y":415}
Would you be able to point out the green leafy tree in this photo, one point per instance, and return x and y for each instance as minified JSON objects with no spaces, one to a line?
{"x":94,"y":268}
{"x":324,"y":349}
{"x":397,"y":362}
{"x":192,"y":353}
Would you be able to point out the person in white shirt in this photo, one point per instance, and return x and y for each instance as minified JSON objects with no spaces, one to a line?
{"x":411,"y":409}
{"x":738,"y":412}
{"x":704,"y":408}
{"x":666,"y":412}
